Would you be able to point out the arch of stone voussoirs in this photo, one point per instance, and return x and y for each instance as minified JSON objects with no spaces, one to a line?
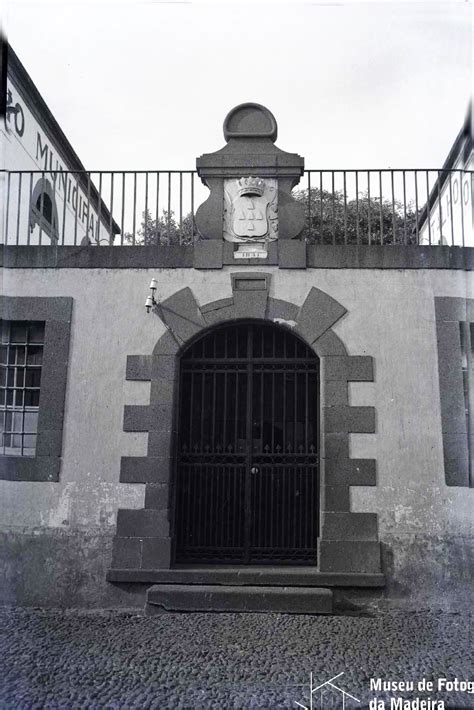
{"x":348,"y":541}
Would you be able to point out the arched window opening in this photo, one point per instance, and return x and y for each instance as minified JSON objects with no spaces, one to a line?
{"x":45,"y":207}
{"x":43,"y":211}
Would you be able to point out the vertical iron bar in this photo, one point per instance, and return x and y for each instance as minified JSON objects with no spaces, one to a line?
{"x":273,"y":413}
{"x":261,"y":409}
{"x":306,"y":396}
{"x":368,"y":208}
{"x":236,"y":469}
{"x":309,"y":204}
{"x":189,"y":517}
{"x":8,"y":210}
{"x":284,"y":409}
{"x":394,"y":231}
{"x":123,"y":210}
{"x":440,"y":211}
{"x":146,"y":207}
{"x":169,"y":208}
{"x":203,"y":386}
{"x":191,"y":423}
{"x":295,"y":413}
{"x":451,"y":208}
{"x":64,"y":212}
{"x":462,"y":205}
{"x":99,"y":209}
{"x":224,"y":419}
{"x":88,"y":203}
{"x":157,"y":210}
{"x":134,"y":207}
{"x":180,"y":206}
{"x":321,"y":204}
{"x":214,"y":395}
{"x":357,"y":206}
{"x":404,"y":209}
{"x":111,"y":235}
{"x":19,"y":207}
{"x":42,"y":207}
{"x":416,"y":209}
{"x":428,"y":206}
{"x":248,"y":436}
{"x":381,"y":208}
{"x":345,"y":206}
{"x":236,"y":421}
{"x":211,"y":497}
{"x":333,"y":210}
{"x":18,"y":210}
{"x":29,"y":210}
{"x":270,"y":482}
{"x":192,"y":206}
{"x":260,"y":523}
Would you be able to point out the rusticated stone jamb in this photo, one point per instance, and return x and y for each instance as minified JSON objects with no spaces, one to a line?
{"x":351,"y":368}
{"x":141,"y":553}
{"x":138,"y":368}
{"x":354,"y":420}
{"x":142,"y":522}
{"x":145,"y":469}
{"x":349,"y":556}
{"x":136,"y":417}
{"x":345,"y":525}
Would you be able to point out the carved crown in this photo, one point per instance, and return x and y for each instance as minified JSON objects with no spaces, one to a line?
{"x":251,"y":186}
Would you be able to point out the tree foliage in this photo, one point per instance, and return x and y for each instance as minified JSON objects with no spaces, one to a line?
{"x":330,"y":218}
{"x":164,"y":231}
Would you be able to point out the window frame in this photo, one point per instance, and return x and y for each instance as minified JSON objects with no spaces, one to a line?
{"x":453,"y":315}
{"x":56,"y":313}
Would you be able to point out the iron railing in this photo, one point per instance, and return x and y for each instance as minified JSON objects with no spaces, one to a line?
{"x":374,"y":207}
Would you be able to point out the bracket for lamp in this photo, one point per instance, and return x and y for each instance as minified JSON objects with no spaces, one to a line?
{"x":151,"y":302}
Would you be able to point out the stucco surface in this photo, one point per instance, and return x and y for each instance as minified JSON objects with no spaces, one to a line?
{"x":390,"y":316}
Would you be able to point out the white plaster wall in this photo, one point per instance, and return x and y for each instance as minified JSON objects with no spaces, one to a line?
{"x":390,"y":316}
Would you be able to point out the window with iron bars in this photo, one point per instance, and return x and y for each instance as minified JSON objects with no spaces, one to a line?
{"x":467,"y":356}
{"x":21,"y":359}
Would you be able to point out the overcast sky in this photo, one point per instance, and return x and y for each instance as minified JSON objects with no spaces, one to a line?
{"x":146,"y":85}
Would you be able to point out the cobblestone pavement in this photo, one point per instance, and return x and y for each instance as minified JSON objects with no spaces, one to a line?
{"x":74,"y":659}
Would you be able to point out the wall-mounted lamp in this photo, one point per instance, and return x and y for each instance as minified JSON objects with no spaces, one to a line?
{"x":151,"y":301}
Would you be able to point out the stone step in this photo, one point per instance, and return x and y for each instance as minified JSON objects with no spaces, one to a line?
{"x":217,"y":597}
{"x":265,"y":576}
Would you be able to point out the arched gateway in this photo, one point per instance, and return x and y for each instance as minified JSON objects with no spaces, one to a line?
{"x":247,"y":484}
{"x":234,"y":476}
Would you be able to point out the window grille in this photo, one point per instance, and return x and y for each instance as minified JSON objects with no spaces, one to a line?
{"x":21,"y":358}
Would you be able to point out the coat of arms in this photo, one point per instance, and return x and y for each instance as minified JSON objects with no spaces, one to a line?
{"x":250,"y":212}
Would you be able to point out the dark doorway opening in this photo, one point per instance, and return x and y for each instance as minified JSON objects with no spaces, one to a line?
{"x":247,"y":484}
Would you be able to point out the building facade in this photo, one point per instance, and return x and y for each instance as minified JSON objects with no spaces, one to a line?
{"x":287,"y":428}
{"x":49,"y":196}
